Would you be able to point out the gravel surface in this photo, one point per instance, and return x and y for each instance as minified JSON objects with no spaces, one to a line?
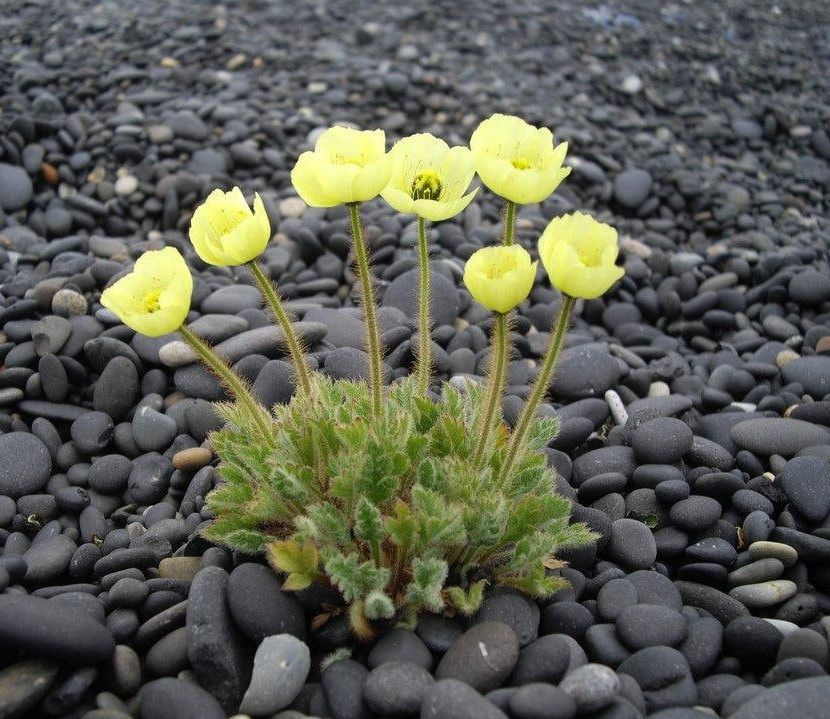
{"x":694,"y":398}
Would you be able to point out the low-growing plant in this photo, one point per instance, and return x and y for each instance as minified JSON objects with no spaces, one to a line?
{"x":401,"y":499}
{"x":393,"y":510}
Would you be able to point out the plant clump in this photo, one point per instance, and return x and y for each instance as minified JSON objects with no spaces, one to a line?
{"x":392,"y":510}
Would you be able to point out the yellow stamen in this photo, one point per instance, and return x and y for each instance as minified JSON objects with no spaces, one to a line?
{"x":150,"y":301}
{"x":426,"y":185}
{"x":521,"y":164}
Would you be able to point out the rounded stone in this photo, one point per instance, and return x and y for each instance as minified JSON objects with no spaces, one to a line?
{"x":632,"y":187}
{"x":176,"y":699}
{"x":806,"y":482}
{"x":281,"y":665}
{"x":15,"y":187}
{"x":649,"y":625}
{"x":632,"y":544}
{"x":25,"y":464}
{"x":592,"y":687}
{"x":483,"y":657}
{"x":662,"y":440}
{"x":259,"y":606}
{"x":396,"y":689}
{"x":48,"y":629}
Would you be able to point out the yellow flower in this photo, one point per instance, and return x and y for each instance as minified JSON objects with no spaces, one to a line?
{"x":516,"y":160}
{"x":346,"y":166}
{"x":154,"y":298}
{"x":578,"y":254}
{"x":224,"y":231}
{"x":500,"y":277}
{"x":429,"y":178}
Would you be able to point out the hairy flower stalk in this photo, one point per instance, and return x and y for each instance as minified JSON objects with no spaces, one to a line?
{"x":423,"y":360}
{"x":540,"y":387}
{"x":369,"y":309}
{"x":292,"y":341}
{"x":495,"y":385}
{"x":509,"y":222}
{"x":235,"y":384}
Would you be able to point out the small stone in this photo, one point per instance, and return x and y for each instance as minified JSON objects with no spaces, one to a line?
{"x":648,"y":625}
{"x":183,"y":568}
{"x":281,"y":665}
{"x":259,"y":606}
{"x":25,"y":464}
{"x":126,"y":185}
{"x":664,"y":676}
{"x":799,"y":699}
{"x":152,"y":430}
{"x":24,"y":684}
{"x":541,"y":701}
{"x":592,"y":686}
{"x":483,"y":657}
{"x":784,"y":552}
{"x":663,"y":440}
{"x":632,"y":544}
{"x":192,"y":459}
{"x":397,"y":689}
{"x":343,"y":685}
{"x":176,"y":699}
{"x":450,"y":698}
{"x":68,"y":303}
{"x":764,"y":594}
{"x":15,"y":187}
{"x":218,"y":655}
{"x":806,"y":482}
{"x":778,"y":435}
{"x":292,"y":207}
{"x":48,"y":629}
{"x":632,"y":187}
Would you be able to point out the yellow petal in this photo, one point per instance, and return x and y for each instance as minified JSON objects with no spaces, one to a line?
{"x":305,"y":177}
{"x":398,"y":200}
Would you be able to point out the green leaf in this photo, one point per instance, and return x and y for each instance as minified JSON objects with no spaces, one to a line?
{"x":298,"y":561}
{"x":467,"y":602}
{"x":428,"y":577}
{"x":246,"y":540}
{"x":401,"y":526}
{"x":368,"y":523}
{"x":378,"y":605}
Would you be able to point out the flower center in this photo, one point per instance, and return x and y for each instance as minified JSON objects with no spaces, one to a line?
{"x":498,"y":268}
{"x":520,"y":163}
{"x":426,"y":186}
{"x":590,"y":256}
{"x":150,"y":301}
{"x":223,"y":221}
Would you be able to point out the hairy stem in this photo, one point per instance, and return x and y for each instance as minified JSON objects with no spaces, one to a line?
{"x":423,"y":360}
{"x":509,"y":222}
{"x":540,"y":388}
{"x":495,"y":386}
{"x":293,"y":342}
{"x":369,"y":310}
{"x":235,"y":384}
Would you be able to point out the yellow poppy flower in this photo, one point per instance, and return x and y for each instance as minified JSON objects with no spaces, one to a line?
{"x":224,"y":231}
{"x":154,"y":298}
{"x":500,"y":277}
{"x":345,"y":166}
{"x":579,"y":253}
{"x":516,"y":160}
{"x":429,"y":177}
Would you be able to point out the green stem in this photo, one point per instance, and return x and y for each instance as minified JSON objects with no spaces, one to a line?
{"x":509,"y":222}
{"x":495,"y":385}
{"x":237,"y":386}
{"x":369,"y":312}
{"x":294,"y":344}
{"x":540,"y":388}
{"x":423,"y":360}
